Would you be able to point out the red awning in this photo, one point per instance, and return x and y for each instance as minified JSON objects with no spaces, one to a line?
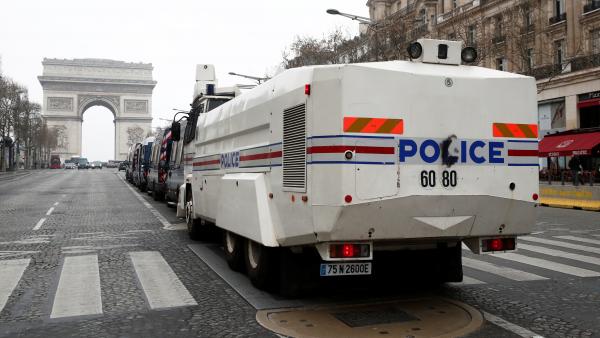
{"x":588,"y":103}
{"x":569,"y":145}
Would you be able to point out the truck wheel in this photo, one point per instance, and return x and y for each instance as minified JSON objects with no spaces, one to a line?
{"x":156,"y":195}
{"x":260,"y":265}
{"x":291,"y":274}
{"x":234,"y":251}
{"x":451,"y":259}
{"x":193,"y":225}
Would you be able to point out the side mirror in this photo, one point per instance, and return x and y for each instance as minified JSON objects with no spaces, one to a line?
{"x":176,"y":131}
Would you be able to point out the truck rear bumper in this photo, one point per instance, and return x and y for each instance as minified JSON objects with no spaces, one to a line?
{"x":424,"y":218}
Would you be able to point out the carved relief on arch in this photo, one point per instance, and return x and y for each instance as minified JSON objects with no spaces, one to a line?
{"x":111,"y":102}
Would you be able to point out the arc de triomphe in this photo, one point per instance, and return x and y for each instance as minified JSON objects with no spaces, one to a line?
{"x":72,"y":86}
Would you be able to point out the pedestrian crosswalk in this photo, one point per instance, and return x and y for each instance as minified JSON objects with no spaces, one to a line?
{"x":537,"y":258}
{"x":79,"y":288}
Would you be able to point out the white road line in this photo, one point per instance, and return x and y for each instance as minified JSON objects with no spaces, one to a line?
{"x":166,"y":224}
{"x":580,"y":239}
{"x":558,"y":253}
{"x":78,"y":292}
{"x":160,"y":283}
{"x":501,"y":271}
{"x":469,"y":281}
{"x":39,"y":224}
{"x":561,"y":244}
{"x":50,"y":211}
{"x":11,"y":272}
{"x":549,"y":265}
{"x":55,"y":203}
{"x":518,"y":330}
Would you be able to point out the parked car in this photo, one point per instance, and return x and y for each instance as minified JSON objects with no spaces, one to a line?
{"x":96,"y":165}
{"x":70,"y":165}
{"x":82,"y":163}
{"x":123,"y":165}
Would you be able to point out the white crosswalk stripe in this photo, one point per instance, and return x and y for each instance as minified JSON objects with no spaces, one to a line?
{"x":561,"y":244}
{"x":558,"y":253}
{"x":78,"y":292}
{"x":469,"y":281}
{"x":160,"y":283}
{"x":11,"y":272}
{"x":549,"y":265}
{"x":580,"y":239}
{"x":502,"y":271}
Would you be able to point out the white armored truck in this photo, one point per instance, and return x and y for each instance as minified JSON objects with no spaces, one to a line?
{"x":344,"y":163}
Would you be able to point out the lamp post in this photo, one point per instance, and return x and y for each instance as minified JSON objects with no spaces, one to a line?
{"x":371,"y":25}
{"x":259,"y":80}
{"x":358,"y":18}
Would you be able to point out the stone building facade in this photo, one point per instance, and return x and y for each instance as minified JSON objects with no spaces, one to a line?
{"x":557,"y":41}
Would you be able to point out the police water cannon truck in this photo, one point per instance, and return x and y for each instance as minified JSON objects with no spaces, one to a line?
{"x":331,"y":167}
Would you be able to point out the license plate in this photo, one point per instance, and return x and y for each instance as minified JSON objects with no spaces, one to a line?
{"x":345,"y":269}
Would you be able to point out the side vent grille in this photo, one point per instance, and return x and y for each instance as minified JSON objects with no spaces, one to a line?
{"x":294,"y":148}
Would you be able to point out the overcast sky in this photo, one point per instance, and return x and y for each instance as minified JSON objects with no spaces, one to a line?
{"x":244,"y":36}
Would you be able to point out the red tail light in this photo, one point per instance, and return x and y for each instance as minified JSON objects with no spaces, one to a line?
{"x":498,"y":244}
{"x":307,"y":89}
{"x":349,"y":250}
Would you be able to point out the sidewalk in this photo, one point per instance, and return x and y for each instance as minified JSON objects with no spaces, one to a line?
{"x":570,"y":196}
{"x":13,"y":175}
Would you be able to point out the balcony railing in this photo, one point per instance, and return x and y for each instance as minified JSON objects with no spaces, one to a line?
{"x":591,"y":6}
{"x":558,"y":18}
{"x":528,"y":29}
{"x":498,"y":39}
{"x":585,"y":62}
{"x":544,"y":72}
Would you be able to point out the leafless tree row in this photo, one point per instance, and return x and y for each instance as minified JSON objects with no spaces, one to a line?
{"x":22,"y":129}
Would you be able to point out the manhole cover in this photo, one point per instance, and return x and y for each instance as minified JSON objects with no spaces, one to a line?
{"x":423,"y":317}
{"x":384,"y":315}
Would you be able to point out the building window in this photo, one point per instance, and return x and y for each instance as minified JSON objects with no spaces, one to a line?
{"x":442,"y":6}
{"x":559,"y":7}
{"x":559,"y":52}
{"x":501,"y":64}
{"x":454,"y":4}
{"x":498,"y":27}
{"x":529,"y":58}
{"x":471,"y":34}
{"x":528,"y":17}
{"x":595,"y":41}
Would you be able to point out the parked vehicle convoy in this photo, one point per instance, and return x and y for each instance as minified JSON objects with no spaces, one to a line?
{"x":55,"y":162}
{"x":161,"y":152}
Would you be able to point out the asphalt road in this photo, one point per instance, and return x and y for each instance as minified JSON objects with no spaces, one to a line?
{"x":83,"y":255}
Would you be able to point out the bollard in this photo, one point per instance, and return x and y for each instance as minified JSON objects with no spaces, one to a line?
{"x":591,"y":180}
{"x":562,"y":178}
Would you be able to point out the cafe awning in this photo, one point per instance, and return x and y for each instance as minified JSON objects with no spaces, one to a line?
{"x":569,"y":144}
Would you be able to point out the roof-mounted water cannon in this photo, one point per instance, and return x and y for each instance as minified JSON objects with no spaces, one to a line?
{"x":441,"y":52}
{"x":206,"y":81}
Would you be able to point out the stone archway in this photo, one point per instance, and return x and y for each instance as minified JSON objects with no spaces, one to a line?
{"x":73,"y":86}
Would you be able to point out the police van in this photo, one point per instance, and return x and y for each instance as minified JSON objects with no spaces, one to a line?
{"x":349,"y":162}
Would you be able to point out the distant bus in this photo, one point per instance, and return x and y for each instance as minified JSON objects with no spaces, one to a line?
{"x":55,"y":162}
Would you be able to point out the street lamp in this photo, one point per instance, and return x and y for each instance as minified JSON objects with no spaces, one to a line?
{"x":255,"y":78}
{"x":358,"y":18}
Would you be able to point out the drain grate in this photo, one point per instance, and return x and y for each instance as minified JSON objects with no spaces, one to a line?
{"x":387,"y":315}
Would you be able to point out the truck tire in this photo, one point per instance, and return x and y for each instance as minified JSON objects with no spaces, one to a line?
{"x":157,"y":196}
{"x":194,"y":226}
{"x":261,"y":265}
{"x":451,"y":269}
{"x":233,"y":246}
{"x":292,"y":274}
